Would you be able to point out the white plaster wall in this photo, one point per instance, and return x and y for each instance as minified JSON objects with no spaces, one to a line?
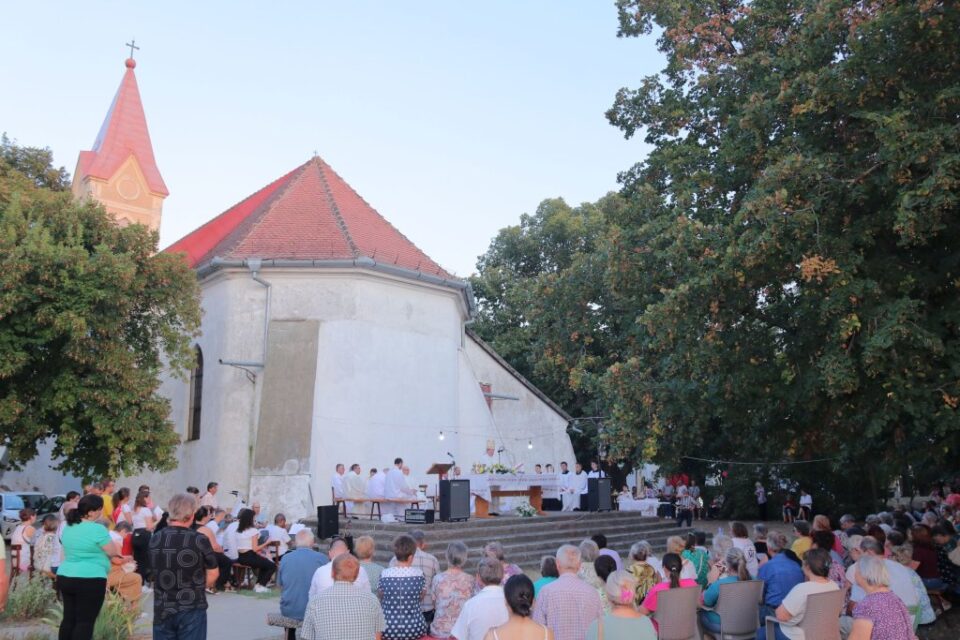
{"x":222,"y":452}
{"x":518,"y":422}
{"x":393,"y":370}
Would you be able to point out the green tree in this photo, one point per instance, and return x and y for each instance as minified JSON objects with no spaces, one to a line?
{"x":791,"y":252}
{"x":89,"y":316}
{"x":543,"y":304}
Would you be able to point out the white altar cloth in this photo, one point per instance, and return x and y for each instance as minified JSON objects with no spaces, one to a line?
{"x":481,"y":485}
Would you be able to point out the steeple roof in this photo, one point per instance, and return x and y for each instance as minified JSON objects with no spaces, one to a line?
{"x":309,"y":214}
{"x":123,"y":133}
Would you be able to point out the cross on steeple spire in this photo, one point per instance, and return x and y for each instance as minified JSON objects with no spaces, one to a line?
{"x":133,"y":45}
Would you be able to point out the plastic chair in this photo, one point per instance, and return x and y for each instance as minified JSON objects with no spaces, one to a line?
{"x":739,"y":608}
{"x":821,"y":618}
{"x":676,"y":614}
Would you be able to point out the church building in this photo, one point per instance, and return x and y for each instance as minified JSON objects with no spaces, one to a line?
{"x":327,"y":337}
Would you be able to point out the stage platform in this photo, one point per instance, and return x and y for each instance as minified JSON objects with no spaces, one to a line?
{"x":525,"y":540}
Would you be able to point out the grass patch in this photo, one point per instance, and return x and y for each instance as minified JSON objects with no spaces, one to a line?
{"x":117,"y":620}
{"x":29,"y":599}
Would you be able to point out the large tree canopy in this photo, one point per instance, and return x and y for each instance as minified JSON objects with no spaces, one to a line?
{"x":88,"y":312}
{"x":786,"y":268}
{"x":792,"y":255}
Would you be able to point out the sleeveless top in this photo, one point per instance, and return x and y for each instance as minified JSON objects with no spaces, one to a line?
{"x":496,"y":637}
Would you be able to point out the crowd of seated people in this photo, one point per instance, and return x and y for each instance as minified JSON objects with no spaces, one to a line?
{"x":884,"y":583}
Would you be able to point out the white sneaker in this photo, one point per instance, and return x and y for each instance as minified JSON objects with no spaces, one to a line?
{"x":260,"y":589}
{"x":146,"y":589}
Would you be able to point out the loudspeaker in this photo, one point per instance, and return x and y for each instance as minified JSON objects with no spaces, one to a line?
{"x":328,"y":522}
{"x":598,"y":494}
{"x":454,"y":500}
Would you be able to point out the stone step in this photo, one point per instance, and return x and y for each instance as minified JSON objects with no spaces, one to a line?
{"x":525,"y":540}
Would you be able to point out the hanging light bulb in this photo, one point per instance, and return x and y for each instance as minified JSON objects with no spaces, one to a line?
{"x":529,"y":444}
{"x":441,"y":435}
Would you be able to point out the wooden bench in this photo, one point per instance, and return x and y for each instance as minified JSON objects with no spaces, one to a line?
{"x":291,"y":625}
{"x":374,"y":505}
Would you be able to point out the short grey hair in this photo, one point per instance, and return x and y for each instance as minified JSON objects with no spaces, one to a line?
{"x":589,"y":551}
{"x":721,"y":544}
{"x":181,"y":507}
{"x":872,"y":519}
{"x":620,"y":587}
{"x":777,"y":541}
{"x":886,"y":517}
{"x":641,"y":550}
{"x":494,"y":550}
{"x":869,"y":544}
{"x":874,"y":571}
{"x":456,"y":554}
{"x":847,"y":518}
{"x":490,"y":571}
{"x":760,"y":529}
{"x":305,"y":539}
{"x":853,"y":542}
{"x":418,"y":536}
{"x":568,"y":558}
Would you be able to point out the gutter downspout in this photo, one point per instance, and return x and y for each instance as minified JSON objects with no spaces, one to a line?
{"x":254,"y":265}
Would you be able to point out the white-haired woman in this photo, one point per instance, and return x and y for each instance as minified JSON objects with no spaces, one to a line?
{"x":881,"y":615}
{"x":451,"y":589}
{"x":732,"y":568}
{"x":623,"y":622}
{"x":642,"y":569}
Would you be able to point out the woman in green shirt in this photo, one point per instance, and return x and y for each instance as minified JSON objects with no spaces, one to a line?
{"x":732,"y":568}
{"x":82,"y":576}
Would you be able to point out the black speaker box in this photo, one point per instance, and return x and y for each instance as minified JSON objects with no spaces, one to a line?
{"x":328,"y":522}
{"x":454,"y":500}
{"x":598,"y":494}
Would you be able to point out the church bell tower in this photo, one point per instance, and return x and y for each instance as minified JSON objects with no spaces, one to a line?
{"x":120,"y":171}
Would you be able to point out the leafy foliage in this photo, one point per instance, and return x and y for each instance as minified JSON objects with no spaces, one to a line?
{"x":780,"y":280}
{"x":30,"y":598}
{"x":796,"y":225}
{"x":542,"y":301}
{"x":117,"y":619}
{"x":88,"y":314}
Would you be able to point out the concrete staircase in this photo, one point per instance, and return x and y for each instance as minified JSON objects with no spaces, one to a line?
{"x":525,"y":540}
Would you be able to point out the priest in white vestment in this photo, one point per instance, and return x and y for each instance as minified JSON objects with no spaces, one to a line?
{"x":395,"y":488}
{"x":354,"y":486}
{"x":375,"y":485}
{"x":579,"y":484}
{"x":336,"y":481}
{"x":570,"y":497}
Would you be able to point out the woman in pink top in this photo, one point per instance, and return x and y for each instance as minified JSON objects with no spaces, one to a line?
{"x":672,"y":566}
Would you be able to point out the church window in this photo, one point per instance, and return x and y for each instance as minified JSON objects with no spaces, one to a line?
{"x":196,"y":398}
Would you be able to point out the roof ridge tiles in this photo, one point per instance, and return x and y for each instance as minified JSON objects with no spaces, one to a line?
{"x":341,"y":223}
{"x":440,"y":271}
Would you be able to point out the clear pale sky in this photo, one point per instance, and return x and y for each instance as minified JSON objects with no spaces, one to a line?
{"x":450,"y":118}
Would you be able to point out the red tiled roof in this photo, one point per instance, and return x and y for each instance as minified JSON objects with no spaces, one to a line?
{"x":123,"y":133}
{"x":309,"y":214}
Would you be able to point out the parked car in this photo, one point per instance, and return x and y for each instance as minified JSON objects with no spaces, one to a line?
{"x":50,"y":505}
{"x":10,"y":505}
{"x":32,"y":499}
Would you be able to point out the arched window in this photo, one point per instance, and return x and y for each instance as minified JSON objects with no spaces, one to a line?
{"x":196,"y":398}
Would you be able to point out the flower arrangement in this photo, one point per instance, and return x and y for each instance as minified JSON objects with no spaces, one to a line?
{"x":525,"y":510}
{"x":480,"y":468}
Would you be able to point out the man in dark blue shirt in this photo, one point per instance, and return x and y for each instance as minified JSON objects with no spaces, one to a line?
{"x":780,"y":574}
{"x":296,"y":571}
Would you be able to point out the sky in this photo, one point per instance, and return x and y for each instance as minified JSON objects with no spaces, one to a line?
{"x":450,"y":118}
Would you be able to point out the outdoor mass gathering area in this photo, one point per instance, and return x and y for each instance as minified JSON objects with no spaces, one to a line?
{"x":627,"y":320}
